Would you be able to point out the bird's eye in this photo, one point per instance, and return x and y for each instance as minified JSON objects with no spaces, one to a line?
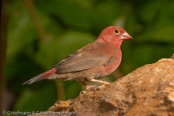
{"x":117,"y":31}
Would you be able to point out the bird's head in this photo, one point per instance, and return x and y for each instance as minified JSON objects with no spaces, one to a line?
{"x":114,"y":35}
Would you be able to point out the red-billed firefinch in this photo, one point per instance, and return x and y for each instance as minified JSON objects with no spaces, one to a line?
{"x":93,"y":61}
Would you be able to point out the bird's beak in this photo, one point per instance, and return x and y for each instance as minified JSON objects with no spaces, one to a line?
{"x":125,"y":35}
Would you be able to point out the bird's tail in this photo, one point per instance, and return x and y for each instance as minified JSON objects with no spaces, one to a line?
{"x":41,"y":76}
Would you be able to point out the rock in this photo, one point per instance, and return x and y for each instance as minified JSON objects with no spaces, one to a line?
{"x":147,"y":91}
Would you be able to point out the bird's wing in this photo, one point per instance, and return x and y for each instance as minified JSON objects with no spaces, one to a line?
{"x":92,"y":55}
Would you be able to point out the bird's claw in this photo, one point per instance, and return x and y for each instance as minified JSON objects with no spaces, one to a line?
{"x":92,"y":87}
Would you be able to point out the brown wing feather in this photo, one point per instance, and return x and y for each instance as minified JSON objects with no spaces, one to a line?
{"x":85,"y":58}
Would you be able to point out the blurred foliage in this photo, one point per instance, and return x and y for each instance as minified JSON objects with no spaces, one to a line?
{"x":67,"y":25}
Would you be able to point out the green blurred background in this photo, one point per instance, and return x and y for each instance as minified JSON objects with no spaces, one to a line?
{"x":42,"y":32}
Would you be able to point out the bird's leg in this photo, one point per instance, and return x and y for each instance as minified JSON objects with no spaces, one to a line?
{"x":87,"y":86}
{"x":100,"y":81}
{"x":82,"y":83}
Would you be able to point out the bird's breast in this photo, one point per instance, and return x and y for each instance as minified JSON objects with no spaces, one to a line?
{"x":105,"y":70}
{"x":113,"y":66}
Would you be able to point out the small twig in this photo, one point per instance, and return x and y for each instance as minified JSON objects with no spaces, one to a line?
{"x":30,"y":6}
{"x":60,"y":89}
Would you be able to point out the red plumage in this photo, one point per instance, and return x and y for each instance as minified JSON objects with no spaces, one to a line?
{"x":93,"y":61}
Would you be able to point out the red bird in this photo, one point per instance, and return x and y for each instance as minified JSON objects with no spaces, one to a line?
{"x":93,"y":61}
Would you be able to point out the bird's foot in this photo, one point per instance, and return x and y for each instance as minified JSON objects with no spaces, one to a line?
{"x":91,"y":87}
{"x":102,"y":82}
{"x":104,"y":85}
